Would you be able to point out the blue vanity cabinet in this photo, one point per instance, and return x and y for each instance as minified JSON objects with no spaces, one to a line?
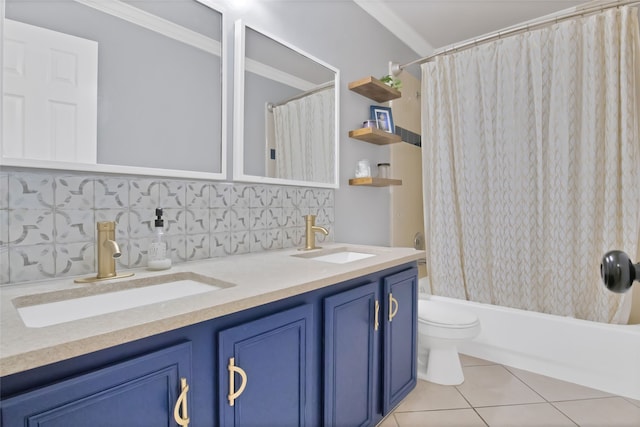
{"x":142,"y":391}
{"x":370,"y":349}
{"x":265,"y":370}
{"x":400,"y":334}
{"x":351,"y":343}
{"x":325,"y":357}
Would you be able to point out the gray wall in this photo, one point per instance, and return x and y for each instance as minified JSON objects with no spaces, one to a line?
{"x":343,"y":35}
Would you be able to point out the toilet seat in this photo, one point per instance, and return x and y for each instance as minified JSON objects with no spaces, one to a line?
{"x":441,"y":328}
{"x":432,"y":313}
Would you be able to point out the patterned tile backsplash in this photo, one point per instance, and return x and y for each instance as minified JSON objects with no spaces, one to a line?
{"x":48,"y":219}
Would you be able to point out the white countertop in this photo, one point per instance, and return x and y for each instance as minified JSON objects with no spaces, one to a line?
{"x":258,"y":278}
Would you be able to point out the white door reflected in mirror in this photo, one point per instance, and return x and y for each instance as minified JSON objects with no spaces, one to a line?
{"x":150,"y":91}
{"x":50,"y":98}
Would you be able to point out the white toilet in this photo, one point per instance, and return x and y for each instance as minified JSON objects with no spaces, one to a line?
{"x":440,"y":330}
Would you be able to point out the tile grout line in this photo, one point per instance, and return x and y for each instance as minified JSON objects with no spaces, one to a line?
{"x":523,"y":382}
{"x":541,"y":396}
{"x":469,"y":403}
{"x":568,"y":417}
{"x":546,"y":401}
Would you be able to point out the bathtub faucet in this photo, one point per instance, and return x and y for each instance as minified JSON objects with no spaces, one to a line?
{"x":618,"y":272}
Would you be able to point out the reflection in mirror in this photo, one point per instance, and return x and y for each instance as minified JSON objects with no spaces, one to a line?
{"x":286,"y":113}
{"x":116,"y":86}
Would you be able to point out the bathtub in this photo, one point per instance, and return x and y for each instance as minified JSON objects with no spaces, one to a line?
{"x":597,"y":355}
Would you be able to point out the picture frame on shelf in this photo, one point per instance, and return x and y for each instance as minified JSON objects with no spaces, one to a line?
{"x":383,"y":117}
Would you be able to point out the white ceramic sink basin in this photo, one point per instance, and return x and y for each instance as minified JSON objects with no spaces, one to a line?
{"x":336,"y":255}
{"x":53,"y":308}
{"x":342,"y":257}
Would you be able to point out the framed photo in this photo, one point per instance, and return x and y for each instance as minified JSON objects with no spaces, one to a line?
{"x":383,"y":117}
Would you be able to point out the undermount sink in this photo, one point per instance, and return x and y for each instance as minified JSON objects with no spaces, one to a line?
{"x":52,"y":308}
{"x":342,"y":257}
{"x":336,"y":255}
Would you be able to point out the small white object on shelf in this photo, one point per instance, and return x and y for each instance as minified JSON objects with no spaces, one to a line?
{"x":363,"y":169}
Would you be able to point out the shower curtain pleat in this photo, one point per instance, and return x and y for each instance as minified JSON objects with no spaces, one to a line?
{"x":531,"y":160}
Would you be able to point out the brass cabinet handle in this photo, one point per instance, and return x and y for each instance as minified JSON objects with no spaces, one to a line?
{"x":392,"y":310}
{"x":180,"y":410}
{"x":233,"y":395}
{"x":376,"y":322}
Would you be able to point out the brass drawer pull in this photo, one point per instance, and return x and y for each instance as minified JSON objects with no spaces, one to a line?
{"x":233,"y":395}
{"x":180,"y":410}
{"x":392,"y":310}
{"x":376,"y":322}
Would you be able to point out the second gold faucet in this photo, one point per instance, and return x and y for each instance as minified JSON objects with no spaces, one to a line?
{"x":310,"y":232}
{"x":108,"y":251}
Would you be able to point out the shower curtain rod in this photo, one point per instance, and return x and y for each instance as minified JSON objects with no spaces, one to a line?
{"x":323,"y":86}
{"x":586,"y":9}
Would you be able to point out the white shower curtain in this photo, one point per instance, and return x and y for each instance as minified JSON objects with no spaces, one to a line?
{"x":304,"y":137}
{"x":531,"y":160}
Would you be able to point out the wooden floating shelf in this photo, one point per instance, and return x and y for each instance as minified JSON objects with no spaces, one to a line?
{"x":374,"y":136}
{"x":375,"y":182}
{"x":374,"y":89}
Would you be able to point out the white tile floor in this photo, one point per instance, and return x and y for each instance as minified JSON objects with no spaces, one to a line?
{"x":500,"y":396}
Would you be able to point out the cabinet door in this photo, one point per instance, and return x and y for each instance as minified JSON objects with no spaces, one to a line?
{"x":141,"y":391}
{"x":264,"y":372}
{"x":351,"y":324}
{"x":400,"y":328}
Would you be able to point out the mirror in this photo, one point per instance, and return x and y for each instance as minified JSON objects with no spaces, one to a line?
{"x":132,"y":86}
{"x":286,"y":113}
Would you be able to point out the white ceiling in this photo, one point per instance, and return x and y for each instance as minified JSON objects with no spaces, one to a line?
{"x":427,"y":25}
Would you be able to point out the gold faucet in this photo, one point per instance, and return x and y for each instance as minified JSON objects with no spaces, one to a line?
{"x":108,"y":252}
{"x":310,"y":232}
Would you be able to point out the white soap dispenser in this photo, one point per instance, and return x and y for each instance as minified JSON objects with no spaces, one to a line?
{"x":158,"y":254}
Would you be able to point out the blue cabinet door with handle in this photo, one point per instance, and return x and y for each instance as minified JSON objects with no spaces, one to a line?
{"x":149,"y":390}
{"x":370,"y":349}
{"x":264,"y":370}
{"x":351,"y":330}
{"x":400,"y":332}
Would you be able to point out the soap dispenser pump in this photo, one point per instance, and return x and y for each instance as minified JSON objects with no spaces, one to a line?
{"x":158,"y":254}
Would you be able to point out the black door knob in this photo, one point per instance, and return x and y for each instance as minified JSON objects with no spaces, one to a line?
{"x":618,"y":272}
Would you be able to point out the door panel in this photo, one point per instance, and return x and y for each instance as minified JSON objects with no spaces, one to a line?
{"x":145,"y":389}
{"x":50,"y":95}
{"x":271,"y":353}
{"x":351,"y":349}
{"x":400,"y":332}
